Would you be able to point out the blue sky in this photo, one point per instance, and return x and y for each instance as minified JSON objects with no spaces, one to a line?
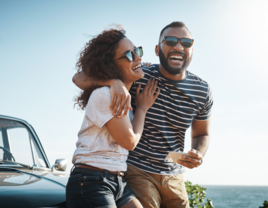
{"x":39,"y":46}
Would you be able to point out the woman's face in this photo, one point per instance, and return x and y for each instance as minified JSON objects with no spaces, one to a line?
{"x":131,"y":71}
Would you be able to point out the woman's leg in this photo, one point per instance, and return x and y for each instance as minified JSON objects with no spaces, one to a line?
{"x":90,"y":188}
{"x":126,"y":197}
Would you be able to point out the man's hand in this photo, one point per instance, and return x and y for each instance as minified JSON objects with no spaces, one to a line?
{"x":192,"y":161}
{"x":121,"y":99}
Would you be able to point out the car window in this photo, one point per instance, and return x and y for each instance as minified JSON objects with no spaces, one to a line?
{"x":20,"y":146}
{"x":38,"y":155}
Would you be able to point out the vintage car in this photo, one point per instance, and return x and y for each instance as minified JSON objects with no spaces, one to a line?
{"x":26,"y":177}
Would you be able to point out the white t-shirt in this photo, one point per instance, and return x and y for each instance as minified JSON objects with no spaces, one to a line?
{"x":95,"y":145}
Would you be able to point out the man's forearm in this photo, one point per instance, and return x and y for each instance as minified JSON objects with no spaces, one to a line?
{"x":201,"y":143}
{"x":81,"y":80}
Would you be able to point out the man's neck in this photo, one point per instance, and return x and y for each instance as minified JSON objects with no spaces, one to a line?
{"x":176,"y":77}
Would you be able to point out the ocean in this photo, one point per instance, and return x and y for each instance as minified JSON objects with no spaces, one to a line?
{"x":237,"y":196}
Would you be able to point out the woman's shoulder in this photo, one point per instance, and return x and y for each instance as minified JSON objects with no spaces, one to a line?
{"x":104,"y":89}
{"x":98,"y":106}
{"x":102,"y":93}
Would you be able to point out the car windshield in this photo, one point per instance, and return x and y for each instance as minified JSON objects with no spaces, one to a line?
{"x":17,"y":145}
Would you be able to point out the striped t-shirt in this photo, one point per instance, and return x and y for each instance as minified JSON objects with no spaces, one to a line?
{"x":166,"y":121}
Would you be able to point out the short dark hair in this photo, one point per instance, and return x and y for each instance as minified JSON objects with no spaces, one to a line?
{"x":173,"y":24}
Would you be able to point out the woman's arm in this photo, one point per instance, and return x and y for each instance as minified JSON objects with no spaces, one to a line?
{"x":118,"y":91}
{"x":127,"y":135}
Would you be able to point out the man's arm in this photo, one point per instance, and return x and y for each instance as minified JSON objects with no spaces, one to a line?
{"x":200,"y":143}
{"x":120,"y":95}
{"x":200,"y":135}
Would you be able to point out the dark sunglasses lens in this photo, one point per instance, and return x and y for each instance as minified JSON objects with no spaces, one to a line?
{"x":171,"y":41}
{"x":185,"y":42}
{"x":139,"y":51}
{"x":130,"y":56}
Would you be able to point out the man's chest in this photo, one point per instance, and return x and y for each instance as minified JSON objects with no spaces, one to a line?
{"x":174,"y":109}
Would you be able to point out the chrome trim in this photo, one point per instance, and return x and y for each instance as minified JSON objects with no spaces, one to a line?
{"x":60,"y":165}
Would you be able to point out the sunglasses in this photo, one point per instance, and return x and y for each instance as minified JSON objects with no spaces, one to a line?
{"x":130,"y":55}
{"x":172,"y":41}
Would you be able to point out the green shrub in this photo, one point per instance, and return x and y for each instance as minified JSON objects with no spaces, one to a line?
{"x":265,"y":204}
{"x":196,"y":195}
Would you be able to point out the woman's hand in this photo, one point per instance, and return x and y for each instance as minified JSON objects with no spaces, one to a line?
{"x":128,"y":135}
{"x":146,"y":98}
{"x":121,"y":99}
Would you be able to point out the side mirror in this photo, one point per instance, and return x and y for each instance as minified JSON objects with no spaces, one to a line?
{"x":60,"y":165}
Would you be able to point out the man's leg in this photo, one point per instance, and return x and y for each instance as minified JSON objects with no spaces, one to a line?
{"x":144,"y":186}
{"x":173,"y":192}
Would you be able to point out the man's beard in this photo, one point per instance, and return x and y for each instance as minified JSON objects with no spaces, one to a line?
{"x":173,"y":70}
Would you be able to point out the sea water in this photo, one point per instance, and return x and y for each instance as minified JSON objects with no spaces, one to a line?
{"x":237,"y":196}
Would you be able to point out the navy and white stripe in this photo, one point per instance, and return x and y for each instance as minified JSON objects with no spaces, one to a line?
{"x":167,"y":120}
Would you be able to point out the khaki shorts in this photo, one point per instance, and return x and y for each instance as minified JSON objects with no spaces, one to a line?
{"x":155,"y":191}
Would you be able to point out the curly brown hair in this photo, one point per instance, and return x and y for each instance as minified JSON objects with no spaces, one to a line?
{"x":97,"y":60}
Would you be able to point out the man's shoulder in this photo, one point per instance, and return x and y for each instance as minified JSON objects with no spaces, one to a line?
{"x":151,"y":71}
{"x":194,"y":79}
{"x":199,"y":84}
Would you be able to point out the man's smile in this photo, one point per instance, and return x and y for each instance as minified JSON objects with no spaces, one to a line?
{"x":176,"y":58}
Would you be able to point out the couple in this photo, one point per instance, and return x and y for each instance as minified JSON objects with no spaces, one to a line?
{"x":109,"y":66}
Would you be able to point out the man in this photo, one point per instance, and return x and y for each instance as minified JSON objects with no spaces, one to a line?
{"x":185,"y":100}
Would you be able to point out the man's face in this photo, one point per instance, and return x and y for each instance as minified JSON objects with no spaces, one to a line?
{"x":175,"y":59}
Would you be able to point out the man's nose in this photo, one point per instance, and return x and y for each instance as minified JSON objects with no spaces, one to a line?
{"x":178,"y":46}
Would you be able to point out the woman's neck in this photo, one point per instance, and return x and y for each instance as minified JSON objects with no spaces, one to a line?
{"x":128,"y":85}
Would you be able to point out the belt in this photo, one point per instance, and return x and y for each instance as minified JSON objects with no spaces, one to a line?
{"x":119,"y":173}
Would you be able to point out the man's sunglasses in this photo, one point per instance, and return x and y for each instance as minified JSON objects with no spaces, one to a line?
{"x":130,"y":55}
{"x":172,"y":41}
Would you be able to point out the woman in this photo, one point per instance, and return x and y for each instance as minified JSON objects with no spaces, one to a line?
{"x":104,"y":140}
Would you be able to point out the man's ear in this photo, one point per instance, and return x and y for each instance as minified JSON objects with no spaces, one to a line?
{"x":157,"y":50}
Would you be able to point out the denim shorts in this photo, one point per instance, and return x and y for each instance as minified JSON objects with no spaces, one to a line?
{"x":93,"y":188}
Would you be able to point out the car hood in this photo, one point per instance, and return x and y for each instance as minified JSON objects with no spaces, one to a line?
{"x":32,"y":188}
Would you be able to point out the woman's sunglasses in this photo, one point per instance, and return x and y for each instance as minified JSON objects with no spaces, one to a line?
{"x":130,"y":55}
{"x":172,"y":41}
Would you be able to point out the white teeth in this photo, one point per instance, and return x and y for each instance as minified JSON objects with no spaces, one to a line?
{"x":177,"y":57}
{"x":136,"y":67}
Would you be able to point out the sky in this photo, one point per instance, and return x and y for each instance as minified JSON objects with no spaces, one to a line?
{"x":40,"y":43}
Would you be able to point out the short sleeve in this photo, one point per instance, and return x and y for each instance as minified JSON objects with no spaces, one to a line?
{"x":206,"y":111}
{"x":98,"y":107}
